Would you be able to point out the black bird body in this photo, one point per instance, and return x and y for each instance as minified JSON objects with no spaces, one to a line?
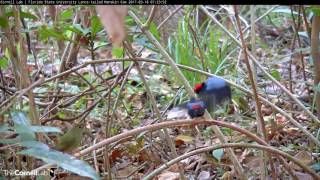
{"x":213,"y":91}
{"x":196,"y":108}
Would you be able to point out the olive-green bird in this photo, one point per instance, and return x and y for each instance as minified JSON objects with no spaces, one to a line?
{"x":71,"y":139}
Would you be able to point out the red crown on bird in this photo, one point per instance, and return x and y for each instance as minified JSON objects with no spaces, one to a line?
{"x":198,"y":87}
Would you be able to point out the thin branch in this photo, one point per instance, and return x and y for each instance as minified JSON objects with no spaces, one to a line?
{"x":170,"y":15}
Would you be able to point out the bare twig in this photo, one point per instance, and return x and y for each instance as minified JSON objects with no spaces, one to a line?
{"x":170,"y":15}
{"x":260,"y":120}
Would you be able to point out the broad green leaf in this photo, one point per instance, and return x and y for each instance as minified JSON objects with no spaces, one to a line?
{"x":28,"y":15}
{"x":4,"y":22}
{"x":61,"y":115}
{"x":76,"y":28}
{"x":3,"y":62}
{"x":289,"y":148}
{"x":276,"y":74}
{"x":7,"y":53}
{"x":316,"y":167}
{"x":284,"y":10}
{"x":45,"y":129}
{"x":10,"y":141}
{"x":96,"y":25}
{"x":315,"y":10}
{"x":100,"y":44}
{"x":22,"y":126}
{"x":23,"y":15}
{"x":317,"y":87}
{"x":117,"y":52}
{"x":34,"y":144}
{"x":66,"y":14}
{"x":218,"y":153}
{"x":45,"y":33}
{"x":40,"y":90}
{"x":129,"y":21}
{"x":4,"y":128}
{"x":70,"y":88}
{"x":63,"y":160}
{"x":153,"y":29}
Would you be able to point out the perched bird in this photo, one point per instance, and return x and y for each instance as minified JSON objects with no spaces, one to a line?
{"x":71,"y":139}
{"x":196,"y":108}
{"x":214,"y":91}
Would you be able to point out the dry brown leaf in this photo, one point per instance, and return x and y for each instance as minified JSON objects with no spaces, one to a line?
{"x":303,"y":176}
{"x":304,"y":156}
{"x":266,"y":110}
{"x":115,"y":154}
{"x":112,"y":18}
{"x":204,"y":175}
{"x":167,"y":175}
{"x":126,"y":170}
{"x":227,"y":176}
{"x":254,"y":164}
{"x":174,"y":168}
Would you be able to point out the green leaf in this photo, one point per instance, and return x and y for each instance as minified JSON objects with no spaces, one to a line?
{"x":76,"y":28}
{"x":45,"y":33}
{"x":276,"y":74}
{"x":284,"y":10}
{"x":4,"y":128}
{"x":22,"y":126}
{"x":217,"y":154}
{"x":70,"y":88}
{"x":63,"y":160}
{"x":7,"y":53}
{"x":315,"y":10}
{"x":129,"y":21}
{"x":45,"y":129}
{"x":28,"y":15}
{"x":3,"y":22}
{"x":3,"y":62}
{"x":153,"y":29}
{"x":289,"y":148}
{"x":96,"y":25}
{"x":99,"y":44}
{"x":23,"y":14}
{"x":316,"y":166}
{"x":34,"y":144}
{"x":317,"y":87}
{"x":10,"y":141}
{"x":66,"y":14}
{"x":117,"y":52}
{"x":40,"y":90}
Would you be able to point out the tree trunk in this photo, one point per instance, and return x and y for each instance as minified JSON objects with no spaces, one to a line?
{"x":316,"y":57}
